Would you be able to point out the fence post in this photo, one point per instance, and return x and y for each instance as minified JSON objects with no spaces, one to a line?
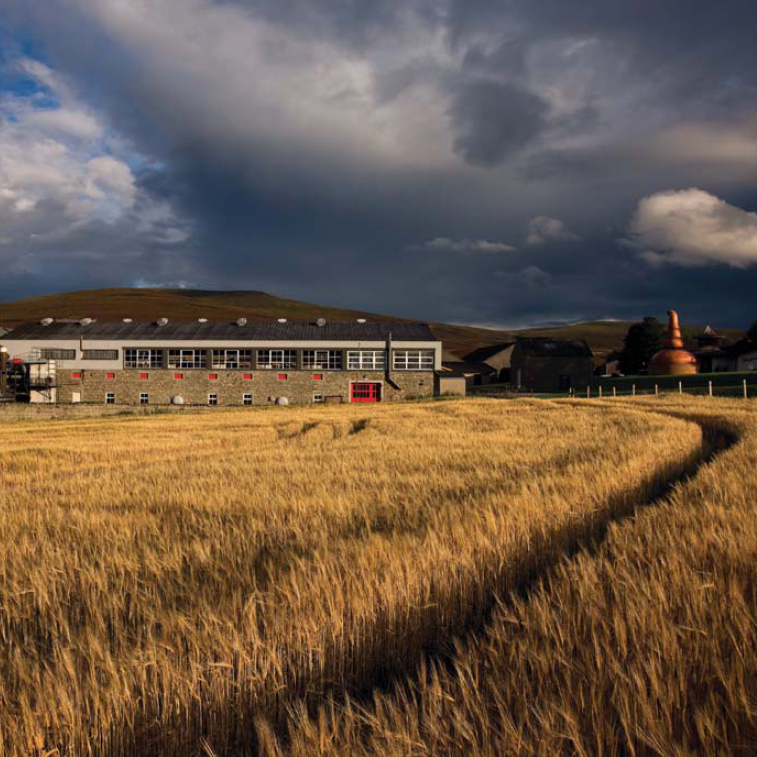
{"x":633,"y":390}
{"x":600,"y":391}
{"x":709,"y":387}
{"x":746,"y":393}
{"x":588,"y":392}
{"x":680,"y":387}
{"x":615,"y":389}
{"x":656,"y":390}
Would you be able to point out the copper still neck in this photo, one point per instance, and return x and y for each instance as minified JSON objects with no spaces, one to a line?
{"x":674,"y":340}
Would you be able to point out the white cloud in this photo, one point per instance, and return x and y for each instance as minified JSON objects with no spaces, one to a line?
{"x":62,"y":171}
{"x":691,"y":227}
{"x":544,"y":229}
{"x":465,"y":246}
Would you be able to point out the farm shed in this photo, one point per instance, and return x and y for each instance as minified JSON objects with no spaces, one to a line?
{"x":541,"y":364}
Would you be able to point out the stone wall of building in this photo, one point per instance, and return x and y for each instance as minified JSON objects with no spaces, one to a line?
{"x":230,"y":386}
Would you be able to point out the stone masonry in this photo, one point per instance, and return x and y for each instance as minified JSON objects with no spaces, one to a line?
{"x":230,"y":386}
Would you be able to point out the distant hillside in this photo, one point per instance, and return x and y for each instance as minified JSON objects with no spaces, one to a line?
{"x":189,"y":304}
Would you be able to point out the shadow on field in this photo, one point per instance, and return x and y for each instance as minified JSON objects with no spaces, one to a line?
{"x":231,"y":719}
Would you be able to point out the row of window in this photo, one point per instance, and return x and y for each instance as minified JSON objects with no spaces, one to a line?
{"x":144,"y":399}
{"x":268,"y":359}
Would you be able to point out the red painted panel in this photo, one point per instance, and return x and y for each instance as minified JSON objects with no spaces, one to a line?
{"x":110,"y":375}
{"x":317,"y":377}
{"x":365,"y":392}
{"x":178,"y":376}
{"x":213,"y":376}
{"x":283,"y":377}
{"x":248,"y":377}
{"x":144,"y":375}
{"x":76,"y":375}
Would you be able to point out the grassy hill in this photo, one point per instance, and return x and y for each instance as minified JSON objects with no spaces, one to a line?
{"x":189,"y":304}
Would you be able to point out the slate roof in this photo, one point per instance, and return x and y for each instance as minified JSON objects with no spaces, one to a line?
{"x":482,"y":354}
{"x":272,"y":331}
{"x":546,"y":347}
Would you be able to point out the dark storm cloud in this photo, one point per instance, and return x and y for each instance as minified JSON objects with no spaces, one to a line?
{"x":304,"y":146}
{"x":492,"y":120}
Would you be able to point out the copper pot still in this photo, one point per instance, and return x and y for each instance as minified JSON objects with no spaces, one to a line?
{"x":673,"y":359}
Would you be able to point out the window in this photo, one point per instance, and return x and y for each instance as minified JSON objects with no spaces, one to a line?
{"x":317,"y":399}
{"x":282,"y":377}
{"x":232,"y":359}
{"x":212,"y":399}
{"x":366,"y":360}
{"x":110,"y":375}
{"x":212,"y":377}
{"x":326,"y":360}
{"x":178,"y":376}
{"x":413,"y":360}
{"x":99,"y":355}
{"x":246,"y":399}
{"x":270,"y":359}
{"x":144,"y":376}
{"x":76,"y":375}
{"x":110,"y":398}
{"x":248,"y":377}
{"x":58,"y":354}
{"x":187,"y":359}
{"x":144,"y":398}
{"x":137,"y":358}
{"x":317,"y":377}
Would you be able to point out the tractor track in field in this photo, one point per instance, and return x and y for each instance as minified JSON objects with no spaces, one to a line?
{"x":538,"y":561}
{"x":717,"y":437}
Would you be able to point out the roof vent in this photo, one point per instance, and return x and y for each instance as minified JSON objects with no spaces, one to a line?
{"x":241,"y":321}
{"x":361,"y":320}
{"x":282,"y":320}
{"x":320,"y":322}
{"x":46,"y":321}
{"x":126,"y":320}
{"x":162,"y":321}
{"x":202,"y":320}
{"x":85,"y":321}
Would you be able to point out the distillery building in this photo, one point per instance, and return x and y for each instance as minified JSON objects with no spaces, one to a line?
{"x":207,"y":363}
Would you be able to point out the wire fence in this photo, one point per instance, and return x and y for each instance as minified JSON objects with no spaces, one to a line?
{"x":743,"y":389}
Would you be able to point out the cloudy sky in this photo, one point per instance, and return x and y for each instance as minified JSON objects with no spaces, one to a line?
{"x":501,"y":162}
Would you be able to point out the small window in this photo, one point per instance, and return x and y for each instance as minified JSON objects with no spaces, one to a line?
{"x":110,"y":398}
{"x":178,"y":376}
{"x":213,"y":376}
{"x":246,"y":399}
{"x":144,"y":398}
{"x":187,"y":359}
{"x":283,"y":377}
{"x":366,"y":360}
{"x":271,"y":359}
{"x":232,"y":359}
{"x":139,"y":358}
{"x":144,"y":376}
{"x":110,"y":375}
{"x":99,"y":355}
{"x":58,"y":354}
{"x":248,"y":377}
{"x":317,"y":377}
{"x":327,"y":360}
{"x":76,"y":375}
{"x":413,"y":360}
{"x":317,"y":399}
{"x":212,"y":399}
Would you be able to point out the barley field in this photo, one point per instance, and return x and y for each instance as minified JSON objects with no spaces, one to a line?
{"x":473,"y":577}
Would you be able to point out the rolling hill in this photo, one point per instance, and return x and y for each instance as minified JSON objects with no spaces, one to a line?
{"x":189,"y":304}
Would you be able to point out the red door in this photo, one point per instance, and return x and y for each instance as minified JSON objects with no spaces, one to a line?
{"x":365,"y":392}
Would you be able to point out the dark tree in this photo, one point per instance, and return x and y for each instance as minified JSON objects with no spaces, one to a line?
{"x":752,"y":333}
{"x":640,"y":343}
